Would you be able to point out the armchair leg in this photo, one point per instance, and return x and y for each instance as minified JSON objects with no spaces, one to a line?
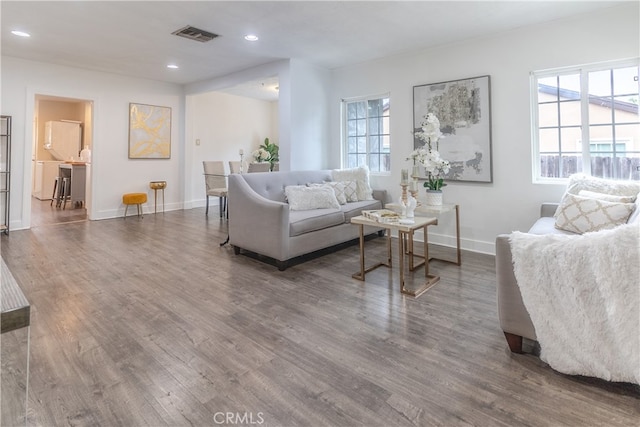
{"x":514,"y":341}
{"x":206,"y":212}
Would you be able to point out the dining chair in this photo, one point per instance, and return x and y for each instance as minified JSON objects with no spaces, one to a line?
{"x":234,"y":167}
{"x":259,"y":167}
{"x":216,"y":183}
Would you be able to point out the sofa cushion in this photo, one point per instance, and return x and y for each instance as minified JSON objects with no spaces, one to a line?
{"x":360,"y":175}
{"x":583,"y":214}
{"x":301,"y":198}
{"x":354,"y":209}
{"x":301,"y":222}
{"x":546,"y":225}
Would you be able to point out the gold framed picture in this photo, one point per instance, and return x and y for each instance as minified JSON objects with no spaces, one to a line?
{"x":149,"y":131}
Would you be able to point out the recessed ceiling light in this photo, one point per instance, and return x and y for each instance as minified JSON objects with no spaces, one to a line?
{"x":251,"y":37}
{"x":173,"y":66}
{"x":20,"y":33}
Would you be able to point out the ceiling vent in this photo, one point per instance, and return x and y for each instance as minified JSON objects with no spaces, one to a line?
{"x":194,"y":33}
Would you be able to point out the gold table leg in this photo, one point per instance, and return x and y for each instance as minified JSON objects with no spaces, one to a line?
{"x":430,"y":279}
{"x":361,"y":274}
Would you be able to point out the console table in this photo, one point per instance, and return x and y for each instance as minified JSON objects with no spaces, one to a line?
{"x":405,"y":245}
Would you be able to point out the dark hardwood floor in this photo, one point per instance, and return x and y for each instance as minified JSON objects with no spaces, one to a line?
{"x":150,"y":322}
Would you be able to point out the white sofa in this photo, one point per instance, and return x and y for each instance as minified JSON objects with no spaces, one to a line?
{"x":261,"y":221}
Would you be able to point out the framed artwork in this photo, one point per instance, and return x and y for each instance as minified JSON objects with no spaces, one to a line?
{"x":463,"y":108}
{"x":149,"y":132}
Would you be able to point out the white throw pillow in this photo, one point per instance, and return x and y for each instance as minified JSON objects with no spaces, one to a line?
{"x":350,"y":190}
{"x":302,"y":198}
{"x":578,"y":182}
{"x":606,"y":197}
{"x":583,"y":214}
{"x":360,"y":175}
{"x":337,"y":187}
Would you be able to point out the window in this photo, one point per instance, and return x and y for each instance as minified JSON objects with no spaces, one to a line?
{"x":598,"y":104}
{"x":366,"y":133}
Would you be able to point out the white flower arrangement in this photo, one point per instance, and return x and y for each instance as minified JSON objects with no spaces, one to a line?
{"x":261,"y":155}
{"x":428,"y":154}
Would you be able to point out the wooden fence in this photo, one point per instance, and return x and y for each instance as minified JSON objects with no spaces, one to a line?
{"x":604,"y":167}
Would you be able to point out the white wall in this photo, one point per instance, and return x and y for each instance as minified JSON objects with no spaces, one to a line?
{"x":310,"y":87}
{"x":512,"y":201}
{"x":113,"y":173}
{"x":224,"y":124}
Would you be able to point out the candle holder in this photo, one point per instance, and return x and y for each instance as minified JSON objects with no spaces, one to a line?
{"x":404,"y":193}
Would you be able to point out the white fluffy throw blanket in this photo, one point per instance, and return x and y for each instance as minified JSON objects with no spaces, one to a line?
{"x":583,"y":295}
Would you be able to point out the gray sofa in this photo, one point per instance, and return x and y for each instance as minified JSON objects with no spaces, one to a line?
{"x":261,"y":222}
{"x":514,"y":318}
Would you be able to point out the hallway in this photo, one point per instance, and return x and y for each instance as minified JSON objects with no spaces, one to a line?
{"x":44,"y":213}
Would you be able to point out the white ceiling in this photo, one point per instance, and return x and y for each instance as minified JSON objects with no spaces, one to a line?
{"x":134,"y":37}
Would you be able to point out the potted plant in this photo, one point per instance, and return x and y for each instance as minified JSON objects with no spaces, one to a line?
{"x":273,"y":150}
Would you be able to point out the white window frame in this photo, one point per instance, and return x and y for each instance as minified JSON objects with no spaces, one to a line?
{"x":584,"y":71}
{"x":344,"y":130}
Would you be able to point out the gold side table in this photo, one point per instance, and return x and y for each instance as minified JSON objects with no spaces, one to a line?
{"x":155,"y":186}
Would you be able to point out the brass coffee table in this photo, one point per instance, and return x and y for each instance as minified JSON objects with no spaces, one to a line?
{"x":405,"y":245}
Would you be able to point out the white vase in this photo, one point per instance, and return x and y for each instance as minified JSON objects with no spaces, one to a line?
{"x":434,"y":197}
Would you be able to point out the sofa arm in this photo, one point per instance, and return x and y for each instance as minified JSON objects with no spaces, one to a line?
{"x":513,"y":315}
{"x":256,"y":223}
{"x":548,"y":209}
{"x":380,"y":195}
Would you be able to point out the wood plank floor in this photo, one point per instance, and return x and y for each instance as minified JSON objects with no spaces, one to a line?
{"x":150,"y":322}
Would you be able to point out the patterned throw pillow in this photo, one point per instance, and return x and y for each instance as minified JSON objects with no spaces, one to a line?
{"x":583,"y":214}
{"x":337,"y":187}
{"x":302,"y":198}
{"x":360,"y":175}
{"x":606,"y":197}
{"x":350,"y":190}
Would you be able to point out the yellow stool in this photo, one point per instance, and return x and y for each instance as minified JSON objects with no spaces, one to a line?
{"x":134,"y":199}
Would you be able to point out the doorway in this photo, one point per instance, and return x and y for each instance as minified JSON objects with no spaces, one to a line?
{"x":45,"y":209}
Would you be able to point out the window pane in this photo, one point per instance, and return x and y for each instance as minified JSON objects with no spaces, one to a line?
{"x":375,"y":108}
{"x":548,"y":89}
{"x":361,"y":110}
{"x":385,"y":107}
{"x":548,"y":141}
{"x":362,"y":144}
{"x":625,"y":111}
{"x":550,"y":166}
{"x":385,"y":125}
{"x":629,"y":136}
{"x":600,"y":83}
{"x":361,"y":127}
{"x":548,"y":115}
{"x":362,"y":160}
{"x":570,"y":113}
{"x":385,"y":163}
{"x":629,"y":167}
{"x":601,"y":134}
{"x":351,"y":128}
{"x":374,"y":126}
{"x":570,"y":140}
{"x":374,"y":163}
{"x":352,"y":146}
{"x":625,"y":81}
{"x":352,"y":161}
{"x":602,"y":166}
{"x":351,"y":111}
{"x":570,"y":164}
{"x":374,"y":144}
{"x":386,"y":144}
{"x":570,"y":86}
{"x":600,"y":111}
